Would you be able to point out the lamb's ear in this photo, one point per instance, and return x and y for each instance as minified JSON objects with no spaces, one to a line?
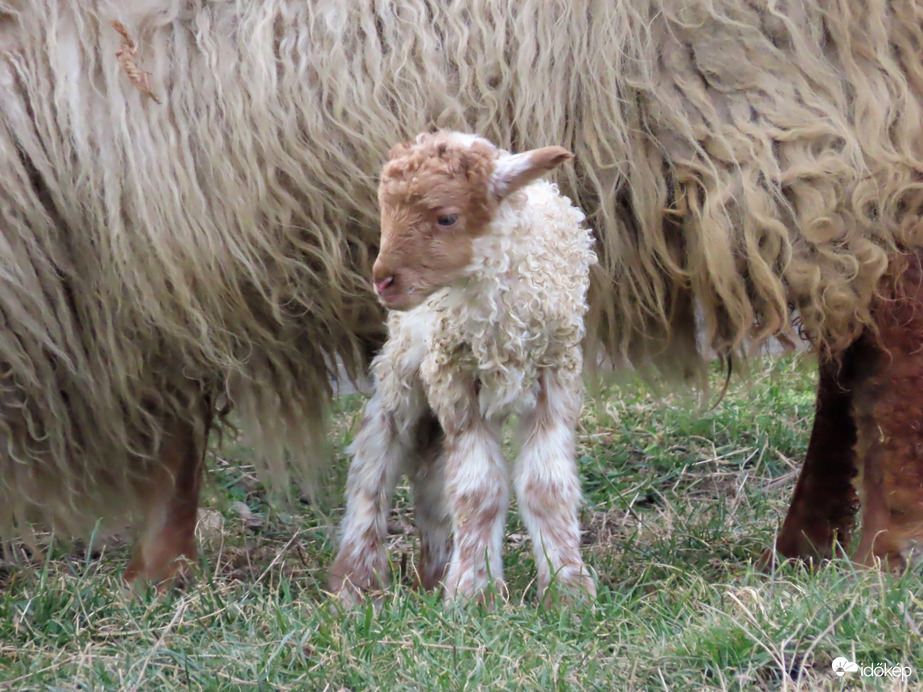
{"x":515,"y":170}
{"x":398,"y":150}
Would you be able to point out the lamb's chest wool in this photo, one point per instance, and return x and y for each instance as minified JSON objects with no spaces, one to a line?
{"x":520,"y":311}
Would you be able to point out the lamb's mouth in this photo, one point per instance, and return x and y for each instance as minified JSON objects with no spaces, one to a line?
{"x":401,"y":300}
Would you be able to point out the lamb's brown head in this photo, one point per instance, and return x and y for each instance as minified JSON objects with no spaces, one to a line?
{"x":437,"y":195}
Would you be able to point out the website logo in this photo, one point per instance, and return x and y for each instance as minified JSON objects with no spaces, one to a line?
{"x":841,"y":666}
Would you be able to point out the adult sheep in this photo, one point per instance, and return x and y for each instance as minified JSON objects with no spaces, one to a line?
{"x":747,"y":158}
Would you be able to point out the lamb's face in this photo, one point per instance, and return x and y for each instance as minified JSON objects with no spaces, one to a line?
{"x":435,"y":200}
{"x":437,"y":196}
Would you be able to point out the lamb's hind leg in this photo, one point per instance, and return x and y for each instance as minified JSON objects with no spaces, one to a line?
{"x":477,"y":486}
{"x":434,"y":521}
{"x":384,"y":444}
{"x":548,"y":488}
{"x":476,"y":482}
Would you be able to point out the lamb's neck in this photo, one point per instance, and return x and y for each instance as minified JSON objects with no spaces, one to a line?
{"x":506,"y":244}
{"x":493,"y":271}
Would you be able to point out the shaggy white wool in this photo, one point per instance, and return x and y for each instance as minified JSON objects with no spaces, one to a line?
{"x":752,"y":157}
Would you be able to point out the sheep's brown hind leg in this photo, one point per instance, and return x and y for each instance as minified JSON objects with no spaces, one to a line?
{"x":168,"y":537}
{"x":824,"y":502}
{"x":889,"y":414}
{"x":880,"y":542}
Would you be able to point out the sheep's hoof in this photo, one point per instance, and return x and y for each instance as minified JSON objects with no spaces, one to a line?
{"x":805,"y":552}
{"x":770,"y":561}
{"x":138,"y":576}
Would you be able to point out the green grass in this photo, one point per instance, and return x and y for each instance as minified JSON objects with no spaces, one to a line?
{"x":679,"y":504}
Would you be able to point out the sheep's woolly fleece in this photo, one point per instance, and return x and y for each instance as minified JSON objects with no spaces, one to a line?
{"x":752,"y":156}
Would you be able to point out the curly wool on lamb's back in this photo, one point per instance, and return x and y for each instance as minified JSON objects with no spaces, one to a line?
{"x":752,"y":158}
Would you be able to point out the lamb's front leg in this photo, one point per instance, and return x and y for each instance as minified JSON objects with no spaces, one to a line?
{"x":385,"y":443}
{"x":547,"y":485}
{"x":477,"y":486}
{"x":477,"y":483}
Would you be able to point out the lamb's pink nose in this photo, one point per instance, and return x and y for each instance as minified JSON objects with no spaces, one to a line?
{"x":382,"y":284}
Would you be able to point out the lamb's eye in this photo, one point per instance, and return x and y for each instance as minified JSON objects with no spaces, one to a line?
{"x":447,"y":220}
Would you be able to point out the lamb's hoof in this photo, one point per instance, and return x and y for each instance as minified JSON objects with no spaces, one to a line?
{"x":572,"y":585}
{"x":467,"y":588}
{"x":349,"y":596}
{"x":430,"y":574}
{"x":351,"y":584}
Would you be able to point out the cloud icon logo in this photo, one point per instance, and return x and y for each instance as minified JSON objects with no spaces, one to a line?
{"x":841,"y":666}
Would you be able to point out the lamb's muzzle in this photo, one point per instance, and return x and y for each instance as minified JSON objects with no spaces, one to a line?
{"x":381,"y":284}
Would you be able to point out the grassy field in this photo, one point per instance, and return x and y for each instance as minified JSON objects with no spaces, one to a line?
{"x":679,"y":504}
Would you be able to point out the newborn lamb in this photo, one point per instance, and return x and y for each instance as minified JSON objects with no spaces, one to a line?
{"x":485,"y":270}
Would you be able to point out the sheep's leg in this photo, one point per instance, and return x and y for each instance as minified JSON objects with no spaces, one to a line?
{"x":891,"y":467}
{"x":384,"y":444}
{"x":824,"y":502}
{"x":548,"y":488}
{"x":477,"y":487}
{"x":167,"y":540}
{"x":889,"y":416}
{"x":881,"y":540}
{"x":476,"y":480}
{"x":432,"y":508}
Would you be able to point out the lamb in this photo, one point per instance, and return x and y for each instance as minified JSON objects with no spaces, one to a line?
{"x":485,"y":270}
